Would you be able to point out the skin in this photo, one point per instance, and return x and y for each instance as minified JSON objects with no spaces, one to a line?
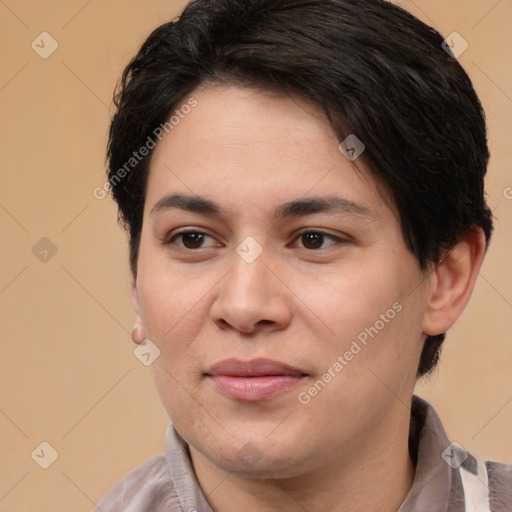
{"x":346,"y":449}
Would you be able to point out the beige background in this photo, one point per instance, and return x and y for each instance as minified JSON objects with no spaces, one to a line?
{"x":68,"y":373}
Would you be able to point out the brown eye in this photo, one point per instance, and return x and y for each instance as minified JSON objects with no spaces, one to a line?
{"x":314,"y":240}
{"x":191,"y":240}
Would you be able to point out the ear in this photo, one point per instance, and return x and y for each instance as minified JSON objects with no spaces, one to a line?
{"x":452,"y":283}
{"x":138,"y":331}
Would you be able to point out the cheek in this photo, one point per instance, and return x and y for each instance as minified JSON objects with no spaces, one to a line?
{"x":351,"y":299}
{"x":173,"y":303}
{"x":374,"y":318}
{"x":174,"y":310}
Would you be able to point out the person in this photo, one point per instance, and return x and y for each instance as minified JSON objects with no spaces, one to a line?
{"x":302,"y":185}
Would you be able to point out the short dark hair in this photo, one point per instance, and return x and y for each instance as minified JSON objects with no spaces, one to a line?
{"x":373,"y":68}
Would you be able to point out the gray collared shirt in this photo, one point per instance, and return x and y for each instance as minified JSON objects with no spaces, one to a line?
{"x":447,"y":478}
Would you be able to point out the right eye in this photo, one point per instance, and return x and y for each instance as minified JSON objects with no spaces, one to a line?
{"x":191,"y":239}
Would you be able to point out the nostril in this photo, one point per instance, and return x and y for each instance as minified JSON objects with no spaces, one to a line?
{"x":223,"y":324}
{"x":265,"y":322}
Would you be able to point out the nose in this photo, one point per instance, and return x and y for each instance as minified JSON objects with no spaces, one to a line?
{"x":251,"y":299}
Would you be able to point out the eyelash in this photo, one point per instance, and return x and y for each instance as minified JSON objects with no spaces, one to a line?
{"x":170,"y":240}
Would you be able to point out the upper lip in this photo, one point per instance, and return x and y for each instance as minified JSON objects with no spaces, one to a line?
{"x":253,"y":368}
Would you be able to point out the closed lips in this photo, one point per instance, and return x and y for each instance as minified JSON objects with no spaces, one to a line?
{"x":253,"y":381}
{"x":253,"y":368}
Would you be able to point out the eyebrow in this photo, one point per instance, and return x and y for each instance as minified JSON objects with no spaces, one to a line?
{"x":295,"y":208}
{"x":193,"y":203}
{"x":310,"y":205}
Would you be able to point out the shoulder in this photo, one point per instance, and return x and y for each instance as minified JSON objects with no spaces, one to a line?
{"x":447,"y":476}
{"x":500,"y":485}
{"x":147,"y":487}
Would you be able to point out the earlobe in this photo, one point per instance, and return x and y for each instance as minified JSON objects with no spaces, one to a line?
{"x":138,"y":330}
{"x":452,"y":283}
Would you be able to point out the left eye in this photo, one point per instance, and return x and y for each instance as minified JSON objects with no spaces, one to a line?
{"x":314,"y":240}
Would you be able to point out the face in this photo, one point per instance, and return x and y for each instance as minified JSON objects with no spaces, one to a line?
{"x":275,"y":281}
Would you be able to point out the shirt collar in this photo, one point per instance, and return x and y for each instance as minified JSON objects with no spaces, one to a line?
{"x":436,"y":486}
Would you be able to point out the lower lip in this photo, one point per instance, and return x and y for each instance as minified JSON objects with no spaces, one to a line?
{"x":254,"y":388}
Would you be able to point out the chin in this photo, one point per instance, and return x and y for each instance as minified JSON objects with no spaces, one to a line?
{"x":258,"y":458}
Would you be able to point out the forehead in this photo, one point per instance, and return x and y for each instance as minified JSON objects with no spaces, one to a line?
{"x":243,"y":146}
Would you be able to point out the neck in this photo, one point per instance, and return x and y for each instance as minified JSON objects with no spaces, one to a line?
{"x":369,"y":476}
